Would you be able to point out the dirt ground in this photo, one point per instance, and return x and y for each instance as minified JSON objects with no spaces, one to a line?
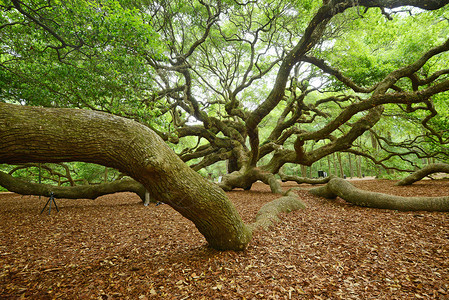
{"x":116,"y":248}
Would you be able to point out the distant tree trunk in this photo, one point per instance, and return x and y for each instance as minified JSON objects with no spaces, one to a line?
{"x":351,"y":169}
{"x":359,"y":167}
{"x":105,"y":174}
{"x":340,"y":164}
{"x":335,"y":164}
{"x":329,"y":165}
{"x":303,"y":171}
{"x":378,"y":170}
{"x":33,"y":134}
{"x":337,"y":187}
{"x":374,"y":143}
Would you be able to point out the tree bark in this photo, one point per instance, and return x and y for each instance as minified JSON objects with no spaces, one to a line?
{"x":359,"y":166}
{"x":340,"y":165}
{"x":268,"y":214}
{"x":346,"y":191}
{"x":299,"y":180}
{"x":247,"y":176}
{"x":32,"y":134}
{"x":351,"y":169}
{"x":427,"y":170}
{"x":303,"y":171}
{"x":335,"y":164}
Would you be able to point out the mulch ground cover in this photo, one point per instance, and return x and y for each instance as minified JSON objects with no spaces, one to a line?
{"x":116,"y":248}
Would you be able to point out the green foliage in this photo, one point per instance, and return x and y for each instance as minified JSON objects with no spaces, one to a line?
{"x":62,"y":174}
{"x":371,"y":46}
{"x":94,"y":57}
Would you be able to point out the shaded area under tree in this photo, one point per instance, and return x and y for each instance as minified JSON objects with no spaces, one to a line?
{"x":369,"y":253}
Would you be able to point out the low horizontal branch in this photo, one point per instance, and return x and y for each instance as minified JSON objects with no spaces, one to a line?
{"x":338,"y":187}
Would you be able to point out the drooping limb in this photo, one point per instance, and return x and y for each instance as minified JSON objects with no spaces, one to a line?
{"x":338,"y":187}
{"x":23,"y":187}
{"x":299,"y":180}
{"x":426,"y":171}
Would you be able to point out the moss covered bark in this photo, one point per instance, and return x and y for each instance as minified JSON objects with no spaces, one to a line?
{"x":426,"y":171}
{"x":338,"y":187}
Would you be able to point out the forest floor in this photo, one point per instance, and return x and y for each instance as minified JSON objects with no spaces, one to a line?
{"x":116,"y":248}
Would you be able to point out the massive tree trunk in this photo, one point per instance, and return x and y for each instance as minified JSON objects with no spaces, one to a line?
{"x":32,"y":134}
{"x":71,"y":192}
{"x":345,"y":190}
{"x":426,"y":171}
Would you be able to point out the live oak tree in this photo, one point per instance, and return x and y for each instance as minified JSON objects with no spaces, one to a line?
{"x":235,"y":56}
{"x":147,"y":66}
{"x":255,"y":83}
{"x":289,"y":135}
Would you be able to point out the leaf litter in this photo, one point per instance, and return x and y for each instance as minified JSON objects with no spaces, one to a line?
{"x":116,"y":248}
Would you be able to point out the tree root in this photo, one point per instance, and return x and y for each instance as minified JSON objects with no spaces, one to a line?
{"x":426,"y":171}
{"x":268,"y":214}
{"x":346,"y":191}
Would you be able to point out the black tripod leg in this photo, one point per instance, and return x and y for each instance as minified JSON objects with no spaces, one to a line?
{"x":45,"y":205}
{"x":50,"y":200}
{"x":55,"y":204}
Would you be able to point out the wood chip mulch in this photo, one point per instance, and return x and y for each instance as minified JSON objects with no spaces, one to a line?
{"x":116,"y":248}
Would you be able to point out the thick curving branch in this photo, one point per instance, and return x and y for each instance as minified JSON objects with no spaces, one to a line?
{"x":424,"y":4}
{"x":34,"y":134}
{"x":426,"y":171}
{"x":341,"y":188}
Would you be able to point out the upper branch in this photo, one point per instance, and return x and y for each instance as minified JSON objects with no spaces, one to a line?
{"x":18,"y":5}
